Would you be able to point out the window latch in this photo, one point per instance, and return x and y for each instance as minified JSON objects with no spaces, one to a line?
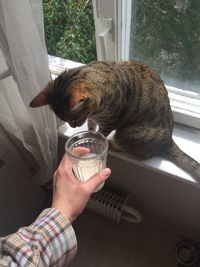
{"x":106,"y":36}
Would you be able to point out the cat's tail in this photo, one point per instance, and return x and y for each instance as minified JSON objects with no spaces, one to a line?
{"x":182,"y":160}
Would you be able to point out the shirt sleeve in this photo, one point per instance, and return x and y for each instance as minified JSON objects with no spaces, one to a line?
{"x":49,"y":241}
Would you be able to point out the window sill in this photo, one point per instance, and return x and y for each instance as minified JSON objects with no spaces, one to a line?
{"x":57,"y":65}
{"x":187,"y":139}
{"x":185,"y":108}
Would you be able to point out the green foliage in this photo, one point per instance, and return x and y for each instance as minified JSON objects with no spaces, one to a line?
{"x":162,"y":35}
{"x":168,"y":38}
{"x":69,"y":29}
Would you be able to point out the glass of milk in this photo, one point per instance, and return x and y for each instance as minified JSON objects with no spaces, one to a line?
{"x":88,"y":153}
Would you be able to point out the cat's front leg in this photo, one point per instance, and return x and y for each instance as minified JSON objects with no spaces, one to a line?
{"x":113,"y":146}
{"x":105,"y":130}
{"x":92,"y":125}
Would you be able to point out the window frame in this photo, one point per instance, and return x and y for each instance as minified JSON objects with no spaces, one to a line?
{"x":185,"y":105}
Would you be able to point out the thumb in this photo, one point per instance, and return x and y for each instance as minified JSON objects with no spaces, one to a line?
{"x":97,"y":179}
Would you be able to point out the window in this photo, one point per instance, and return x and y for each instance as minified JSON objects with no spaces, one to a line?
{"x":69,"y":29}
{"x":166,"y":35}
{"x":163,"y":34}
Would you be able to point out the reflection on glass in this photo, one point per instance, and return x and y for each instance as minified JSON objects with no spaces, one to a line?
{"x":166,"y":35}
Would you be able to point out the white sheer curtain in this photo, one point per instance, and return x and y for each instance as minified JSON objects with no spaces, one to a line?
{"x":23,"y":72}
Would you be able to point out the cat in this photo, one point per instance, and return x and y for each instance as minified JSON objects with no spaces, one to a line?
{"x":126,"y":96}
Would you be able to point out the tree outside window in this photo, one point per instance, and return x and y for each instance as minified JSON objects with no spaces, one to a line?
{"x":166,"y":35}
{"x":69,"y":29}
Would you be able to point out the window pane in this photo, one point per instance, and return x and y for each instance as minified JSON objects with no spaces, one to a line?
{"x":69,"y":29}
{"x":166,"y":35}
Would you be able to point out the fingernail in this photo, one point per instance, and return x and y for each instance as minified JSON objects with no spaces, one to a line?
{"x":107,"y":172}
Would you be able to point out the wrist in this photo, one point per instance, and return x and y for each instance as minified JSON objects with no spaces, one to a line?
{"x":65,"y":213}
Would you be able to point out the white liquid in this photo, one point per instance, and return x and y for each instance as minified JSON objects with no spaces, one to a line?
{"x":85,"y":169}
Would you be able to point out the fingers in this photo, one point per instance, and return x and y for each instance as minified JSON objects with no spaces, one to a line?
{"x":65,"y":167}
{"x":80,"y":151}
{"x":65,"y":161}
{"x":65,"y":170}
{"x":96,"y":180}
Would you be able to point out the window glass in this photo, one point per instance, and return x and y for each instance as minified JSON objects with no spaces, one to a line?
{"x":69,"y":29}
{"x":166,"y":35}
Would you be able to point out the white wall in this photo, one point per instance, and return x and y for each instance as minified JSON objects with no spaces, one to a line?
{"x":158,"y":195}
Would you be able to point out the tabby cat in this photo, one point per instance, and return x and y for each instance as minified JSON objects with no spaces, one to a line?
{"x":127,"y":96}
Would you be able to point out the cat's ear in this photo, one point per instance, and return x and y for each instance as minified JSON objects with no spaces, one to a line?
{"x":41,"y":98}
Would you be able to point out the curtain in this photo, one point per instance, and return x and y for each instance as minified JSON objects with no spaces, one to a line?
{"x":24,"y":72}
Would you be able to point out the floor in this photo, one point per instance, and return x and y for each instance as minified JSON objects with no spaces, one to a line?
{"x":105,"y":243}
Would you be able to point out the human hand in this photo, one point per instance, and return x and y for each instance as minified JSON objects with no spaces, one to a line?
{"x":71,"y":195}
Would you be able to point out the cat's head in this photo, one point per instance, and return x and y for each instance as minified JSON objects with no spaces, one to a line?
{"x":70,"y":96}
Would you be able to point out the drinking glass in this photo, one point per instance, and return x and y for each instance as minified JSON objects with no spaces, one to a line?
{"x":87,"y":151}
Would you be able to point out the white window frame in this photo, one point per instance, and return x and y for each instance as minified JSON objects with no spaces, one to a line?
{"x":112,"y":24}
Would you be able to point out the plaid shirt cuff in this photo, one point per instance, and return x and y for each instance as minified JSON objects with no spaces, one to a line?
{"x":49,"y":241}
